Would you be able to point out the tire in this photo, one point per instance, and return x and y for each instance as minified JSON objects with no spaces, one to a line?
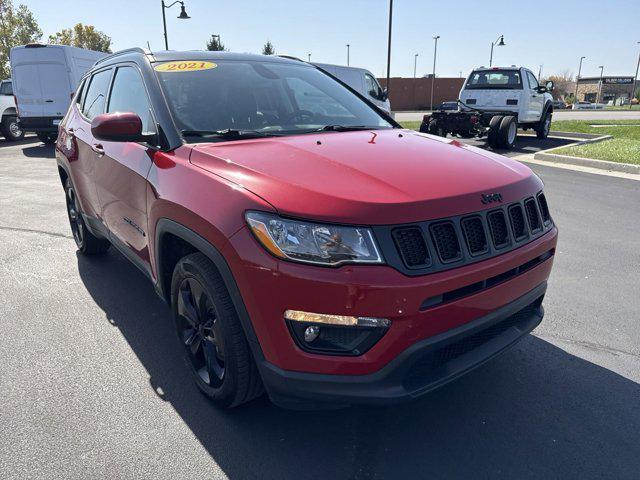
{"x":11,"y":129}
{"x":507,"y":132}
{"x":542,"y":131}
{"x":493,"y":134}
{"x":87,"y":242}
{"x":47,"y":138}
{"x":214,"y":344}
{"x":436,"y":129}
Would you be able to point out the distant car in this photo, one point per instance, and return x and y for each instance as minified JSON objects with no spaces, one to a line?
{"x":583,"y":106}
{"x":559,"y":105}
{"x":447,"y":106}
{"x":362,"y":81}
{"x":9,"y":126}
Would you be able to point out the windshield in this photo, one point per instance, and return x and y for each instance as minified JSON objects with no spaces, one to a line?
{"x":259,"y":97}
{"x":494,"y":79}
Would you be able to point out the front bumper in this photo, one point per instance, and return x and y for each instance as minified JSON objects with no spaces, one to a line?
{"x":424,"y":366}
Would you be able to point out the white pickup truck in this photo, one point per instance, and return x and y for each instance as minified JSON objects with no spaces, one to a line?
{"x":495,"y":102}
{"x":10,"y":129}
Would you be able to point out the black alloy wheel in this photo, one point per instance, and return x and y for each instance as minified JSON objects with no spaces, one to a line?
{"x":75,"y":217}
{"x":199,"y":331}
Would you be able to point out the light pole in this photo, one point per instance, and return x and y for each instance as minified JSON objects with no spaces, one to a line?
{"x":415,"y":64}
{"x":540,"y":73}
{"x":635,"y":80}
{"x":601,"y":67}
{"x":500,"y":43}
{"x":575,"y":97}
{"x":388,"y":86}
{"x":433,"y":76}
{"x":309,"y":57}
{"x":348,"y":54}
{"x":183,"y":16}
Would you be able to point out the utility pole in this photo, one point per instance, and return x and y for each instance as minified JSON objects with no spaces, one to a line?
{"x":601,"y":67}
{"x":388,"y":86}
{"x":348,"y":54}
{"x":415,"y":64}
{"x":575,"y":97}
{"x":540,"y":73}
{"x":309,"y":57}
{"x":635,"y":80}
{"x":433,"y":76}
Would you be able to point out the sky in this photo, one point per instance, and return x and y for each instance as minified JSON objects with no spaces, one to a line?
{"x":554,"y":34}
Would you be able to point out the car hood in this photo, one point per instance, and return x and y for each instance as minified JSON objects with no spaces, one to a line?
{"x":367,"y":177}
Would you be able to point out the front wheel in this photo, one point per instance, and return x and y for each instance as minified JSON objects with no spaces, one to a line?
{"x":215,"y":347}
{"x":543,"y":129}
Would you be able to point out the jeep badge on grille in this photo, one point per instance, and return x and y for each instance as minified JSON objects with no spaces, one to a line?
{"x":491,"y":198}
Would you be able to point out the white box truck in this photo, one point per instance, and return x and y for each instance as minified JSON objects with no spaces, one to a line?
{"x":44,"y":80}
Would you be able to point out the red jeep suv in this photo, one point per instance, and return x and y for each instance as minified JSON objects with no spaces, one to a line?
{"x":308,"y":245}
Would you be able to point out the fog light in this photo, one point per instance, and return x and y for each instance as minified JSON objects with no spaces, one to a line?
{"x":342,"y":320}
{"x":335,"y":334}
{"x":311,"y":333}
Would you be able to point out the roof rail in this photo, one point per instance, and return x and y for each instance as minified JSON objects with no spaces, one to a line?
{"x":290,"y":57}
{"x":144,"y":51}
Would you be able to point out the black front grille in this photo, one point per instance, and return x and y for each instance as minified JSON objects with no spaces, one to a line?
{"x":544,"y":208}
{"x":441,"y":244}
{"x":446,"y":241}
{"x":532,"y":215}
{"x":474,"y":235}
{"x":517,"y":222}
{"x":412,"y":247}
{"x":498,"y":228}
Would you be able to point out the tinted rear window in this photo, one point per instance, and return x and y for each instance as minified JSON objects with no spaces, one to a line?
{"x":494,"y":79}
{"x":6,"y":88}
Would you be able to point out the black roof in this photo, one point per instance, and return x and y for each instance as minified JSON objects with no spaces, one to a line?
{"x":173,"y":55}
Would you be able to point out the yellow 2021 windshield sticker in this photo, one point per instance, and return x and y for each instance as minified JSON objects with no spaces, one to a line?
{"x":184,"y":66}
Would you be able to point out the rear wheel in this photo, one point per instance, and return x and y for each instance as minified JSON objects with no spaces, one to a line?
{"x":11,"y":129}
{"x":48,"y":138}
{"x":436,"y":129}
{"x":542,"y":131}
{"x":508,"y":132}
{"x":493,"y":134}
{"x":87,"y":242}
{"x":216,"y":350}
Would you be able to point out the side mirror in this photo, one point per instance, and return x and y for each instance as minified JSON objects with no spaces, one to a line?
{"x":549,"y":86}
{"x":118,"y":127}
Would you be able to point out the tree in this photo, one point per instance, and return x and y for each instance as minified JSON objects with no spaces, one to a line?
{"x":17,"y":27}
{"x":563,"y":84}
{"x":83,"y":36}
{"x":268,"y":48}
{"x":215,"y":45}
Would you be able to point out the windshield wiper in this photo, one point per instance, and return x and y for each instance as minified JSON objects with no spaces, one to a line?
{"x":228,"y":133}
{"x":345,"y":128}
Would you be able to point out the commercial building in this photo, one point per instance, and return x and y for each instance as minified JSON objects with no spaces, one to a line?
{"x":614,"y":90}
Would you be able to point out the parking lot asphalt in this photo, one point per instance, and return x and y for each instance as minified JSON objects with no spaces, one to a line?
{"x":92,"y":384}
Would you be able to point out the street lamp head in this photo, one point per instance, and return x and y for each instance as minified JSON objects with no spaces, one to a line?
{"x":501,"y":42}
{"x":436,"y":37}
{"x":183,"y":13}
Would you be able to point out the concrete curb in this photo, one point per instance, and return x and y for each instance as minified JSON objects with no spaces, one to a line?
{"x":550,"y":156}
{"x":588,"y":162}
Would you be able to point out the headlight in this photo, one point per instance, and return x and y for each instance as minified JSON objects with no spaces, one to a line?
{"x":313,"y":242}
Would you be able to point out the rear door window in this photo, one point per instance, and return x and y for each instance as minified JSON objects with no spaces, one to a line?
{"x":495,"y":79}
{"x":129,"y":95}
{"x":6,"y":88}
{"x":95,"y":98}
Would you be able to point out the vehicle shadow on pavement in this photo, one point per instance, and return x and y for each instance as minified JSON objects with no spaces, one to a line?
{"x":39,"y":150}
{"x":535,"y":412}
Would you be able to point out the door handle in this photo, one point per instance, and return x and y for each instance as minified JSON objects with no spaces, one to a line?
{"x":96,"y":147}
{"x":49,"y":101}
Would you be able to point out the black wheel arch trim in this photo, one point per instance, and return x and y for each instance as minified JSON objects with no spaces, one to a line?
{"x":164,"y":226}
